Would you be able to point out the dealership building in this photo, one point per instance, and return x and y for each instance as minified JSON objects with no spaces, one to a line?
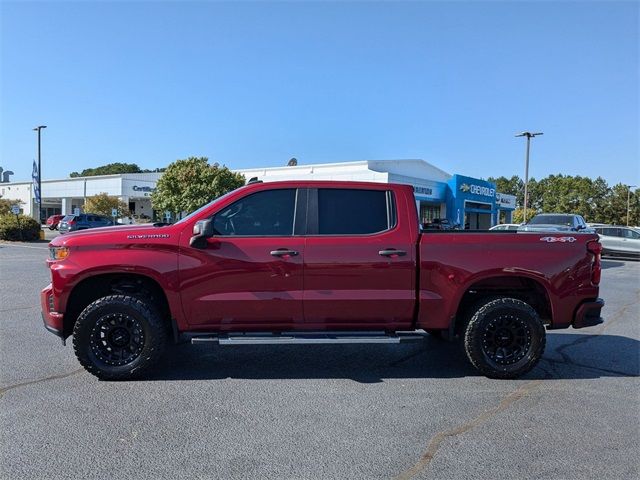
{"x":67,"y":196}
{"x":460,"y":199}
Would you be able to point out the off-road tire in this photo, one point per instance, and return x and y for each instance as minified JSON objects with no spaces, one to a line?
{"x":524,"y":335}
{"x":92,"y":349}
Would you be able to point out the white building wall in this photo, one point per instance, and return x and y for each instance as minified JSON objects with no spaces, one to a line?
{"x":354,"y":171}
{"x":18,"y":191}
{"x":414,"y":172}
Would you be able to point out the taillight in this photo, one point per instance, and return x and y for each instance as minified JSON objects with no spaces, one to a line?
{"x":595,"y":247}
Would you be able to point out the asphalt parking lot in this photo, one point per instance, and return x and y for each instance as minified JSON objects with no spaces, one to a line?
{"x":384,"y":411}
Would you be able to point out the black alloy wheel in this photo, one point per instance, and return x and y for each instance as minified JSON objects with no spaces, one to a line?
{"x":504,"y":337}
{"x":119,"y":337}
{"x":507,"y":339}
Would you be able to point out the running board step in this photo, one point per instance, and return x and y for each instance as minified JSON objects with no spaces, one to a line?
{"x":307,"y":338}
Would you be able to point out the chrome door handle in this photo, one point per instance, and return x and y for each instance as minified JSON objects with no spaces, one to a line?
{"x":392,"y":252}
{"x":283,"y":252}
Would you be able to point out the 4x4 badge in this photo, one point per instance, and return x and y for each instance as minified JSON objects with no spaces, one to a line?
{"x":558,"y":239}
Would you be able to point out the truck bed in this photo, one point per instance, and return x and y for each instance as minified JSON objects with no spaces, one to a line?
{"x":455,"y":264}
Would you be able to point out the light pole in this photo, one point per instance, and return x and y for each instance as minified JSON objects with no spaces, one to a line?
{"x":38,"y":129}
{"x":529,"y":136}
{"x":629,"y":187}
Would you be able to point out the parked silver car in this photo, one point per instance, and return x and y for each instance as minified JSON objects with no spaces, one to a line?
{"x":506,"y":226}
{"x":619,"y":241}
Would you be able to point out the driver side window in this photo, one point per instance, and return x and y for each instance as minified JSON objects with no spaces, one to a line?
{"x":262,"y":214}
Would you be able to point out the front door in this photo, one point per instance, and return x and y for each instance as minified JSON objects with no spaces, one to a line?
{"x":250,"y":275}
{"x":359,"y":261}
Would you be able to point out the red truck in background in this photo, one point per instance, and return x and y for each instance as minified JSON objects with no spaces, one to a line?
{"x":316,"y":262}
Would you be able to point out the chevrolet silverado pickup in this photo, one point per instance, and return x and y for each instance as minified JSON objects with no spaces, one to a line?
{"x":311,"y":263}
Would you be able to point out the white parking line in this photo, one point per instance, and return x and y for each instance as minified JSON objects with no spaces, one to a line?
{"x":7,"y":244}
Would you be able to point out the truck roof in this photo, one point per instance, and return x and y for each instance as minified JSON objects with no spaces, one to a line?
{"x":332,"y":183}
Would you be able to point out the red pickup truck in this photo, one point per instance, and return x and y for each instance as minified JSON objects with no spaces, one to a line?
{"x":316,"y":262}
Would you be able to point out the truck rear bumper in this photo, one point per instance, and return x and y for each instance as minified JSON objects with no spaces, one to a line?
{"x":588,"y":314}
{"x":53,"y":321}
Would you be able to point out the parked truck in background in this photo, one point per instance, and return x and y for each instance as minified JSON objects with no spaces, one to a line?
{"x":556,"y":222}
{"x":316,"y":262}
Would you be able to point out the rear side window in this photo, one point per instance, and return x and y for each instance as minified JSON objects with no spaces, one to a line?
{"x":262,"y":214}
{"x":551,"y":220}
{"x":354,"y":212}
{"x":610,"y":232}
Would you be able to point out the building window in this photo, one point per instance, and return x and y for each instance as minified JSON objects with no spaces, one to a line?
{"x":429,"y":212}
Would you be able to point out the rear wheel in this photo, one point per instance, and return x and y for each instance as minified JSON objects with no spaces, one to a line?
{"x":119,"y":337}
{"x":504,"y":338}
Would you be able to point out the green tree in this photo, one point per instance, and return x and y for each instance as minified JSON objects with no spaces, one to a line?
{"x":109,"y":169}
{"x":103,"y":204}
{"x":616,"y":205}
{"x":567,"y":194}
{"x":600,"y":190}
{"x":518,"y":214}
{"x":6,"y":203}
{"x":188,"y":184}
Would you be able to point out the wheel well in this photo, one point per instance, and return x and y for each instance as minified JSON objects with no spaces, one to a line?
{"x":93,"y":288}
{"x":522,"y":288}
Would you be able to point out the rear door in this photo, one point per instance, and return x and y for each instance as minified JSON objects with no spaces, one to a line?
{"x":359,"y":261}
{"x":630,"y":240}
{"x":249,"y":277}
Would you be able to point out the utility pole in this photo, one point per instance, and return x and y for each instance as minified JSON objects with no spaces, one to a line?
{"x":529,"y":136}
{"x":39,"y":129}
{"x":629,"y":187}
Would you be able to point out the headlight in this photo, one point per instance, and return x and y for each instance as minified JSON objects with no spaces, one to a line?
{"x":58,"y":253}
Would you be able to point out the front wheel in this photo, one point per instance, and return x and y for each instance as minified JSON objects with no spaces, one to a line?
{"x":118,"y":337}
{"x":504,"y":338}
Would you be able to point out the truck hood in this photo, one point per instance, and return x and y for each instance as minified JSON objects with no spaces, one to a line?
{"x":112,"y":235}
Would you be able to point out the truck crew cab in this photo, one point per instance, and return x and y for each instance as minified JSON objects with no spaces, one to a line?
{"x":316,"y":262}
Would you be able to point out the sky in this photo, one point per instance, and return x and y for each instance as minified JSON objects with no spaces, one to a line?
{"x":254,"y":84}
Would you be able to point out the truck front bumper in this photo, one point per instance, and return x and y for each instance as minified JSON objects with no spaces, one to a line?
{"x":53,"y":321}
{"x":588,"y":314}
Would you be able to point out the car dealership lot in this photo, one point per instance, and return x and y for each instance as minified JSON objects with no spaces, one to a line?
{"x":376,"y":411}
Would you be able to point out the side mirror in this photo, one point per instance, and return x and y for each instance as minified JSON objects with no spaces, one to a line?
{"x":202,"y":230}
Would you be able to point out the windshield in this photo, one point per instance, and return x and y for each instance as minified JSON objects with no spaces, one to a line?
{"x":204,"y":207}
{"x":551,"y":220}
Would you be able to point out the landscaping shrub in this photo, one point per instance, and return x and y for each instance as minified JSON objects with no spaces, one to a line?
{"x":29,"y":229}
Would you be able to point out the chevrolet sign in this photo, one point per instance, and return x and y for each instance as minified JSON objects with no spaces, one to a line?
{"x":478,"y":190}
